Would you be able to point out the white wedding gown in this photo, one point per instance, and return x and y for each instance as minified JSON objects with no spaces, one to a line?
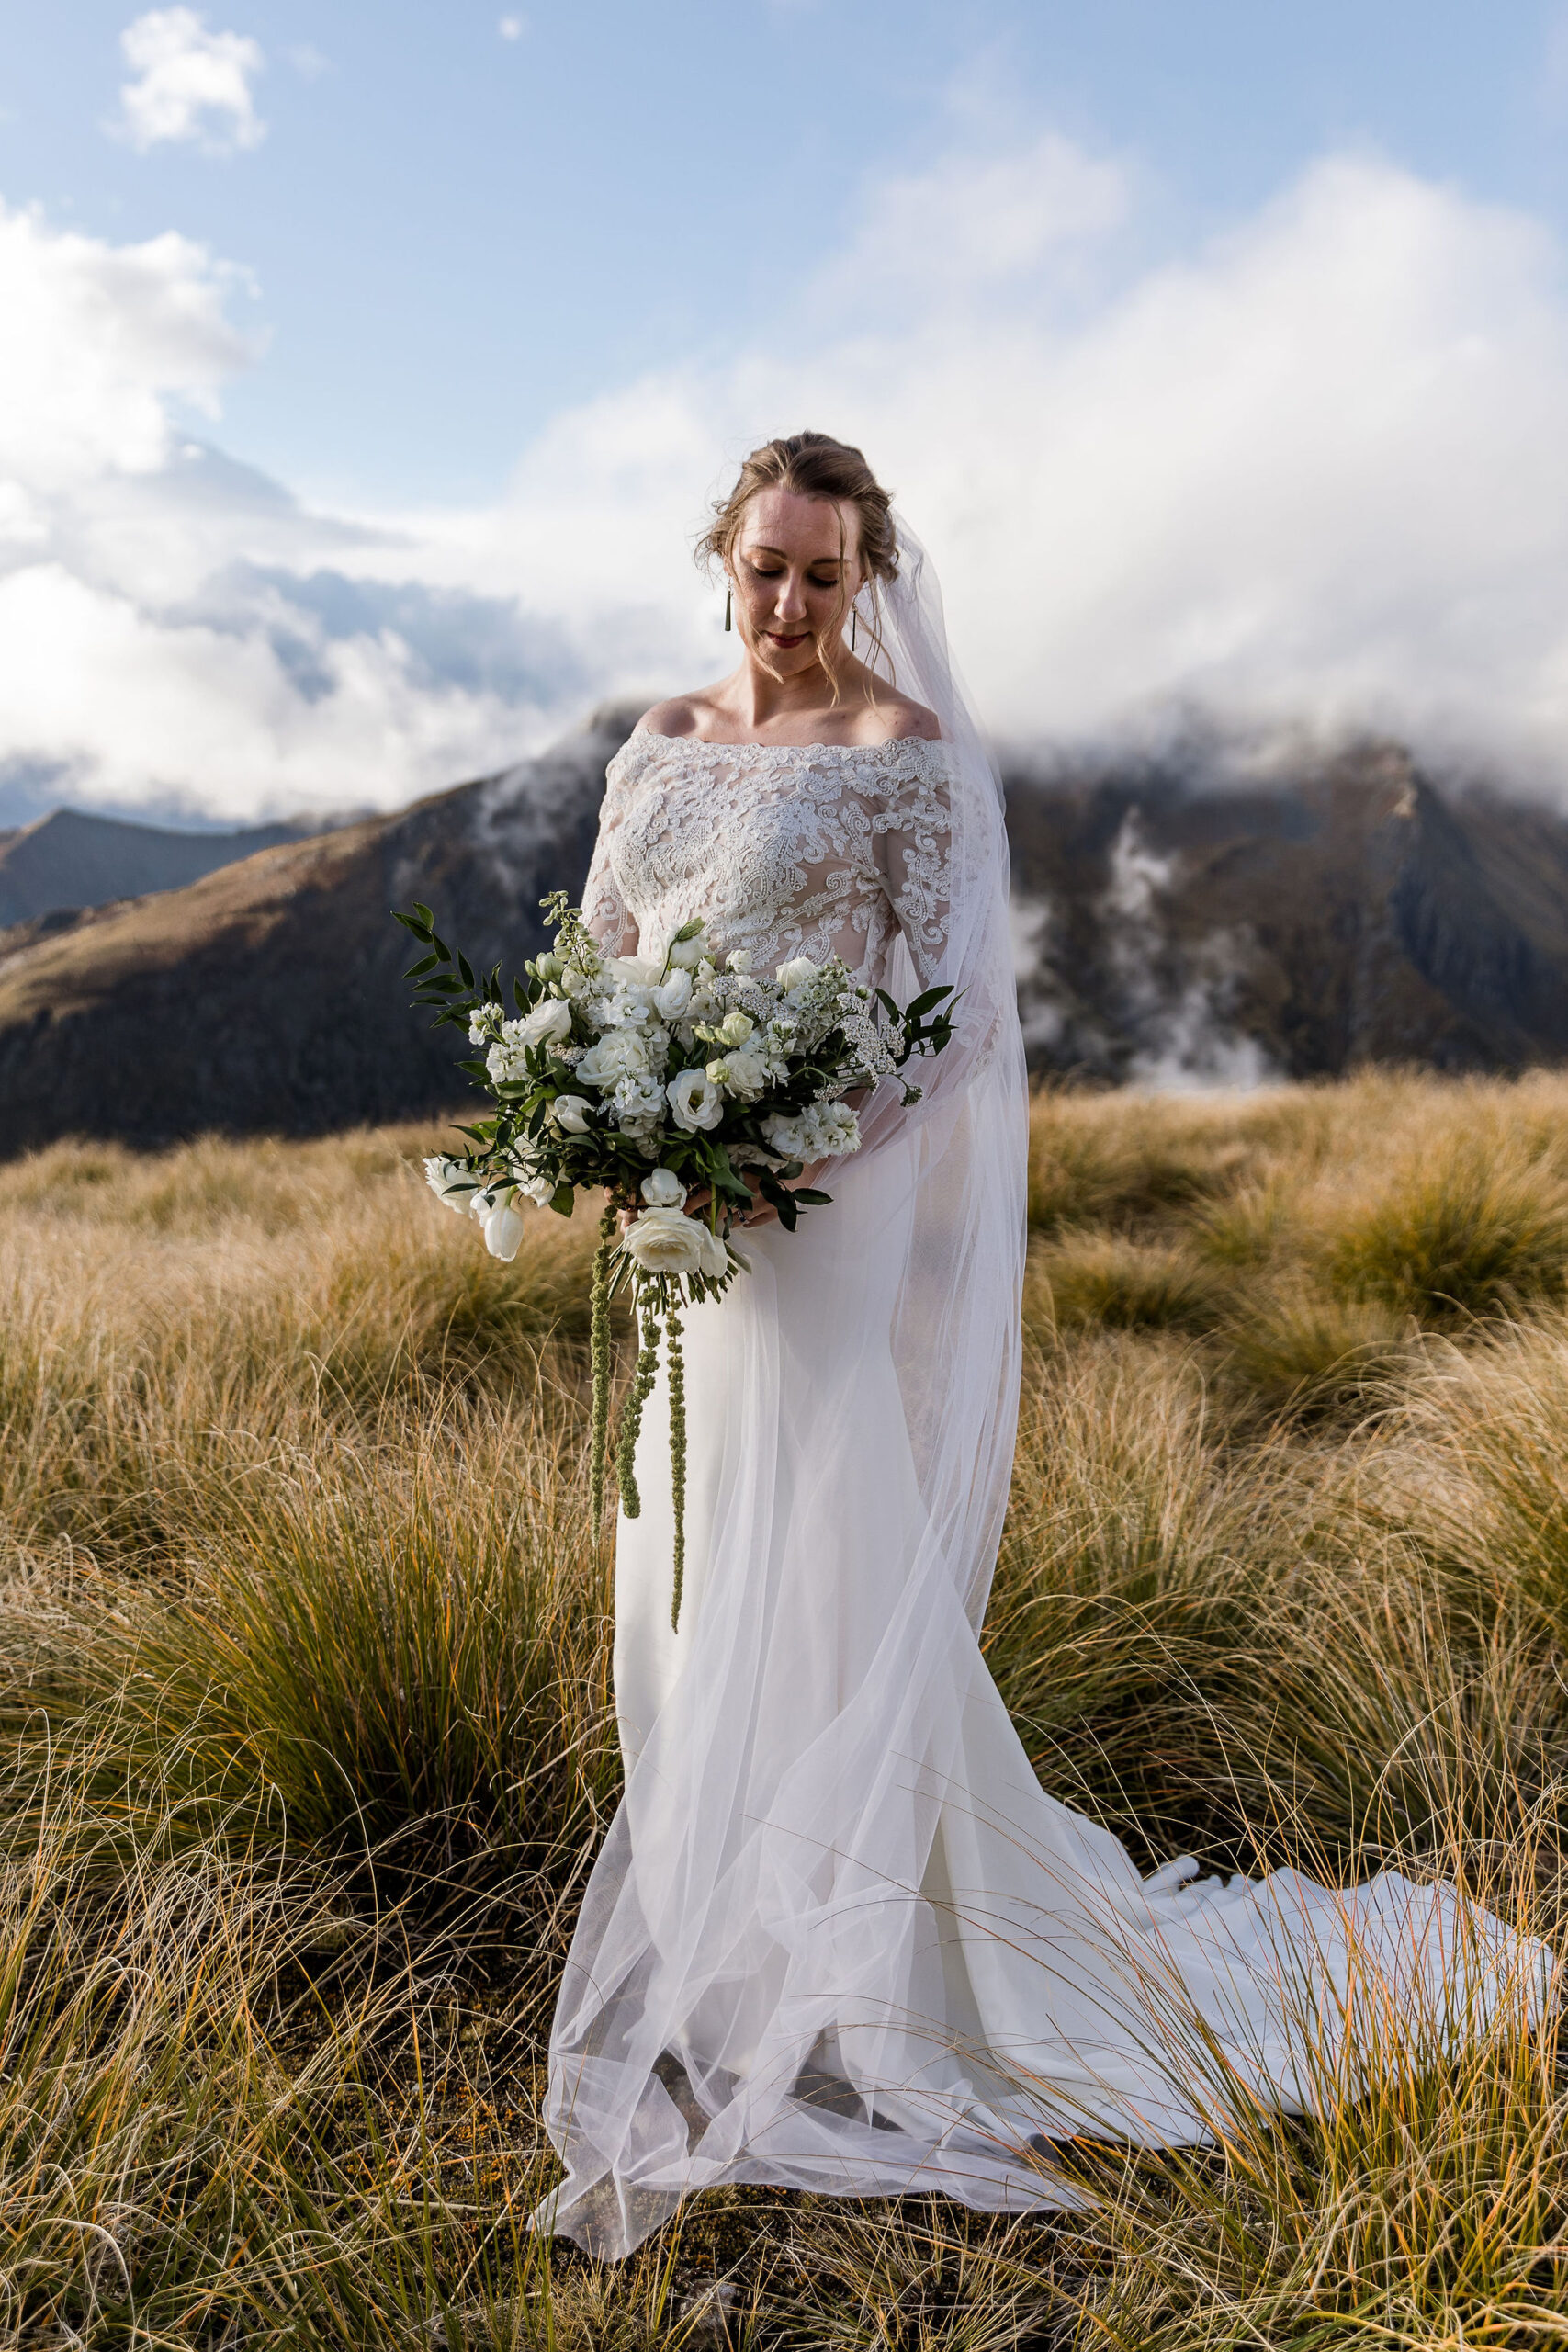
{"x":839,"y":1937}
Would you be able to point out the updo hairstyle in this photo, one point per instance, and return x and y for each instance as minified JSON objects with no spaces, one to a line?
{"x":813,"y":465}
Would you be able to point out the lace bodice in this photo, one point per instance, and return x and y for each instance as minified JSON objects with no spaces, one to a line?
{"x":784,"y":849}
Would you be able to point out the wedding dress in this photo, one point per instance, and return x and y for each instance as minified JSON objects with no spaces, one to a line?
{"x":839,"y":1937}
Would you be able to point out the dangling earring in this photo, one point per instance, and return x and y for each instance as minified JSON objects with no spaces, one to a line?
{"x":728,"y":624}
{"x":853,"y":617}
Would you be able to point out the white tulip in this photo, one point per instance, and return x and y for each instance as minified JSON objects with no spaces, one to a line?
{"x":695,"y":1100}
{"x":664,"y":1241}
{"x":673,"y":997}
{"x":569,"y":1113}
{"x":663,"y":1188}
{"x":550,"y":1018}
{"x":503,"y":1231}
{"x":687,"y":954}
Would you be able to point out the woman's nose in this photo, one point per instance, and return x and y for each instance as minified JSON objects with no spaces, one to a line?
{"x":792,"y":600}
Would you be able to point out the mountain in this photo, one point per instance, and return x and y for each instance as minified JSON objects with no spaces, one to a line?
{"x":1173,"y":923}
{"x":71,"y":859}
{"x":268,"y":995}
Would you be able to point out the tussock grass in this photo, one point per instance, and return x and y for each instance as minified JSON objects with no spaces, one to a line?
{"x":304,"y":1678}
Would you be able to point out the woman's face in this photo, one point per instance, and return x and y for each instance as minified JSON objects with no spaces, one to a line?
{"x":794,"y":568}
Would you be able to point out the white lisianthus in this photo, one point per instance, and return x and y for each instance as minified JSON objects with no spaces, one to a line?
{"x":663,"y":1188}
{"x":687,"y":954}
{"x":715,"y":1263}
{"x":695,"y":1101}
{"x":672,"y":998}
{"x":664,"y":1241}
{"x":550,"y":1018}
{"x":797,"y":973}
{"x":569,"y":1113}
{"x":534,"y":1187}
{"x":451,"y":1181}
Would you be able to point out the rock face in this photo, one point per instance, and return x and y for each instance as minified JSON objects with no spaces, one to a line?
{"x":1172,"y":926}
{"x":71,"y":859}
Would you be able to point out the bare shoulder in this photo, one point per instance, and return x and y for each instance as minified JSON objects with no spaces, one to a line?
{"x":904,"y":718}
{"x":682,"y":715}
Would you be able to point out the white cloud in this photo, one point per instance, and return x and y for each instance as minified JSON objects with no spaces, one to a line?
{"x":1311,"y":472}
{"x":512,"y":27}
{"x":188,"y":84}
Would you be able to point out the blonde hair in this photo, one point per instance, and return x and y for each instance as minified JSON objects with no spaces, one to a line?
{"x":813,"y":465}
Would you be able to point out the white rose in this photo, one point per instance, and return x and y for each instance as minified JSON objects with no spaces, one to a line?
{"x":663,"y":1188}
{"x":550,"y":1018}
{"x":619,"y":1053}
{"x":503,"y":1231}
{"x":715,"y":1257}
{"x":735,"y":1027}
{"x":569,"y":1113}
{"x":451,"y":1181}
{"x":744,"y":1073}
{"x":687,"y":954}
{"x":633,"y":971}
{"x":797,"y":972}
{"x":664,"y":1241}
{"x":695,"y":1100}
{"x":672,"y":999}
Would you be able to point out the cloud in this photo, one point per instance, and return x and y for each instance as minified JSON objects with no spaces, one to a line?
{"x":189,"y":85}
{"x":1309,"y":473}
{"x":512,"y":27}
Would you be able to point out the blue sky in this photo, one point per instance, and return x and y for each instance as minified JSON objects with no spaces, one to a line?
{"x":454,"y":233}
{"x":373,"y":402}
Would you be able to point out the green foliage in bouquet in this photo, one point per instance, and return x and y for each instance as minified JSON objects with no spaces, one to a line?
{"x":669,"y":1084}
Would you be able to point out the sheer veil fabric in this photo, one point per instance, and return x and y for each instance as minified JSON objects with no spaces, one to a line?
{"x":837,"y":1937}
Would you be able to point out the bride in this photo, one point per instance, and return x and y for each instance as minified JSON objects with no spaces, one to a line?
{"x":839,"y":1937}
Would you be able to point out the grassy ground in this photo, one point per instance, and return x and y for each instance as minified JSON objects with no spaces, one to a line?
{"x":303,"y":1662}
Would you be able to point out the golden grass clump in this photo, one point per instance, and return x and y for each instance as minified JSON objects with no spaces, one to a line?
{"x":304,"y":1672}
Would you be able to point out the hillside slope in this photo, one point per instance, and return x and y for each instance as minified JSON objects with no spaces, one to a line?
{"x":72,"y":858}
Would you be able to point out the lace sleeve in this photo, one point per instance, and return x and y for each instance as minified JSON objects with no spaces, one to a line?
{"x":605,"y":910}
{"x":914,"y":830}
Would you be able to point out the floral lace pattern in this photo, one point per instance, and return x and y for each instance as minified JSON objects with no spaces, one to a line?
{"x":783,"y":849}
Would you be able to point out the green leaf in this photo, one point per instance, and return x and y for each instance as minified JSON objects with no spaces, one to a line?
{"x":426,"y":963}
{"x":467,"y":970}
{"x":563,"y":1200}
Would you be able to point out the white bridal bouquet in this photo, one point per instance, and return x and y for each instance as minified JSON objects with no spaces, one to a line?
{"x":655,"y":1080}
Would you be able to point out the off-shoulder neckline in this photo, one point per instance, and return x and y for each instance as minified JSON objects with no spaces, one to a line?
{"x":753,"y":744}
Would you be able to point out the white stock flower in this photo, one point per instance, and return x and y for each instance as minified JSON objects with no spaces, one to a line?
{"x":695,"y":1100}
{"x":575,"y":983}
{"x":569,"y":1113}
{"x":714,"y":1260}
{"x":451,"y":1181}
{"x":638,"y":1105}
{"x":663,"y":1188}
{"x":797,"y":973}
{"x":550,"y":1018}
{"x":672,"y":998}
{"x":664,"y":1241}
{"x":740,"y":961}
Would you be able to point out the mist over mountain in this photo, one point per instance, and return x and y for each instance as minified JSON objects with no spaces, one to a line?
{"x":1175,"y":923}
{"x":73,"y":858}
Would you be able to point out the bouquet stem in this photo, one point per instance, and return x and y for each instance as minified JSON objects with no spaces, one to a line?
{"x":677,"y":1458}
{"x":599,"y":1329}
